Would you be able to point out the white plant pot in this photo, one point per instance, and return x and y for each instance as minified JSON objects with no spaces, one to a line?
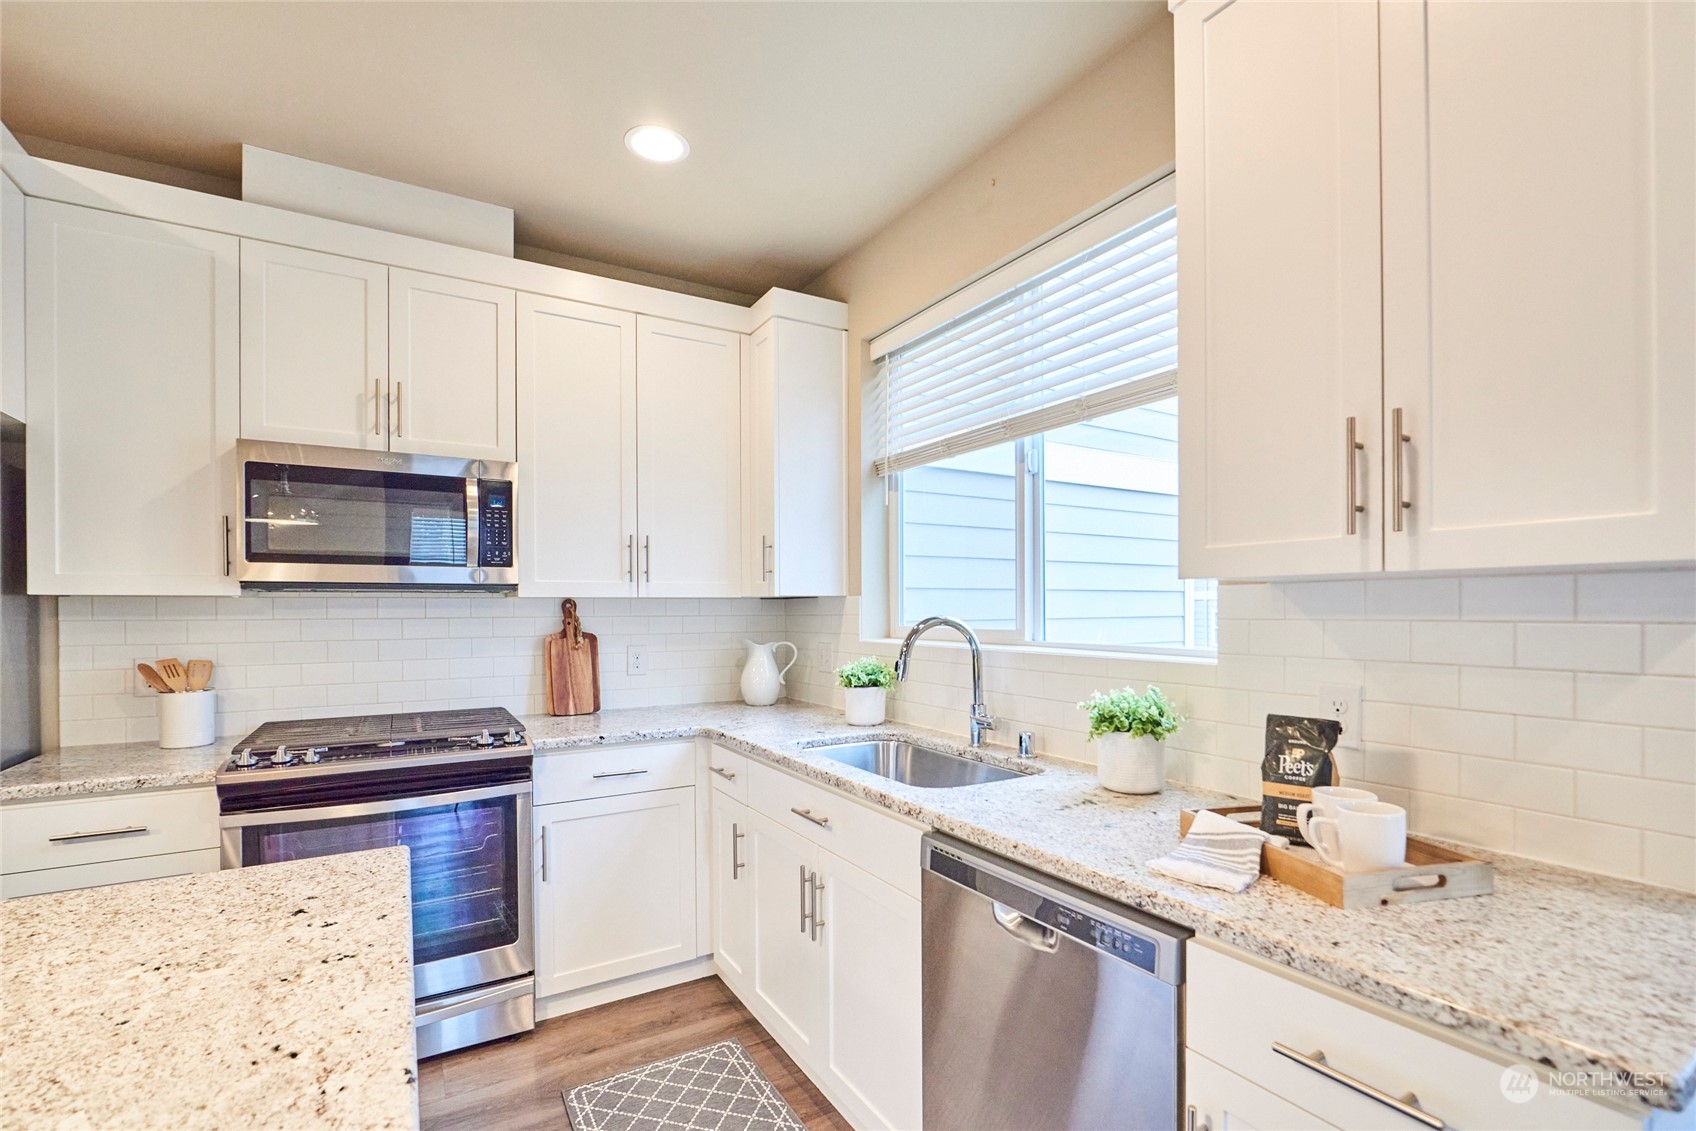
{"x":864,"y":706}
{"x":187,"y":719}
{"x":1130,"y":765}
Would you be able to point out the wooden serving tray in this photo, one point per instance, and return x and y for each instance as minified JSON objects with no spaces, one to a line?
{"x":1431,"y":872}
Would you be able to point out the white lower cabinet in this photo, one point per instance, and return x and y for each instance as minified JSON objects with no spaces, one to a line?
{"x":80,"y":842}
{"x":1269,"y":1048}
{"x":732,"y":892}
{"x":788,"y":990}
{"x":616,"y":887}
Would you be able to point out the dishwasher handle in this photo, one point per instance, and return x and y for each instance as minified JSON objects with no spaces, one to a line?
{"x":1037,"y":936}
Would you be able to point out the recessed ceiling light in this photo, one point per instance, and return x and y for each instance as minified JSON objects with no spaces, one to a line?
{"x":657,"y":144}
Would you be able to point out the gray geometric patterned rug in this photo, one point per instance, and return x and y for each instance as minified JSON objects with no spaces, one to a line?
{"x":716,"y":1088}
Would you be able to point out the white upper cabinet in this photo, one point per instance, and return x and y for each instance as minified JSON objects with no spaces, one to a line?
{"x":795,"y":470}
{"x":133,"y":389}
{"x":11,"y":299}
{"x":1540,"y":282}
{"x":314,"y":347}
{"x":577,"y":449}
{"x":688,"y":459}
{"x":1521,"y":367}
{"x":1278,"y":274}
{"x":452,"y":376}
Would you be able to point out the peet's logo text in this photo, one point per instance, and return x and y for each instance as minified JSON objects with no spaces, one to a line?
{"x":1294,"y":766}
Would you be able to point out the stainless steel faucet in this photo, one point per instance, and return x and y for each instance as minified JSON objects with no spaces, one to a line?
{"x":981,"y":719}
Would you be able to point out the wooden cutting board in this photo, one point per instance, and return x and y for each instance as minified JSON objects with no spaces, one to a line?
{"x":572,"y":660}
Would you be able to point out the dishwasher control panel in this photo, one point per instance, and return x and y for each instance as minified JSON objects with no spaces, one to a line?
{"x":1116,"y":941}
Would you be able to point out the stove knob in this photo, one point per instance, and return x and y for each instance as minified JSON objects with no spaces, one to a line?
{"x":485,"y":739}
{"x":313,"y":754}
{"x":281,"y":757}
{"x":245,"y":757}
{"x":513,"y":738}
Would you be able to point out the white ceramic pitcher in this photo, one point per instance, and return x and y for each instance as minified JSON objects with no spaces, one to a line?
{"x":762,"y":679}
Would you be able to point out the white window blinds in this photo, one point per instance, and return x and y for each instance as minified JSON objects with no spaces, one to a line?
{"x":1095,"y":334}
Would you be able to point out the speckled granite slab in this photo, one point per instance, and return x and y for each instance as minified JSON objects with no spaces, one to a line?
{"x":116,"y":768}
{"x":1558,"y":967}
{"x":1577,"y":971}
{"x":276,"y":996}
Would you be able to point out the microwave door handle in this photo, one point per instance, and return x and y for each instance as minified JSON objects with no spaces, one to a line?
{"x":473,"y":524}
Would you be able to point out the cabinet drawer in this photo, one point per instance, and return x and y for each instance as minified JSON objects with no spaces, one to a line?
{"x":77,"y":876}
{"x":607,"y":771}
{"x":877,"y":843}
{"x":1238,"y":1008}
{"x":728,"y":771}
{"x":119,"y":826}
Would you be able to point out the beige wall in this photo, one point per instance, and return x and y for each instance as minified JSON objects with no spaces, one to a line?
{"x":1103,"y":133}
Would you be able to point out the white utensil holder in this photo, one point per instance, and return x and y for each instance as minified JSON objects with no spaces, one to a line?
{"x":188,"y":718}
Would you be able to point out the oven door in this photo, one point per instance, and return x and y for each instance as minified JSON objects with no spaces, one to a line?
{"x":326,"y":517}
{"x":471,"y":913}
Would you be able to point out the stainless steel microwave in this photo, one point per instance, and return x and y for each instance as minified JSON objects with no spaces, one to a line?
{"x":339,"y":518}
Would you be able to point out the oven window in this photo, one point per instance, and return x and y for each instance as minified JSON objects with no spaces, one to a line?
{"x":464,"y":867}
{"x":334,"y":515}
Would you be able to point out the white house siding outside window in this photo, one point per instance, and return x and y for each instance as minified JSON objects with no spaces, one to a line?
{"x":1031,"y":443}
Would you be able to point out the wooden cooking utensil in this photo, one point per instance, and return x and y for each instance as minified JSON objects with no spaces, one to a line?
{"x":154,"y":680}
{"x":572,"y":659}
{"x":199,"y":674}
{"x":172,"y":669}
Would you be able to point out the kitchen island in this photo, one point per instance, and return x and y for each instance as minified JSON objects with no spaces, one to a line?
{"x":272,"y":996}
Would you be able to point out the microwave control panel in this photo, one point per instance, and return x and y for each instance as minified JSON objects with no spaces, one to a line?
{"x":494,"y":522}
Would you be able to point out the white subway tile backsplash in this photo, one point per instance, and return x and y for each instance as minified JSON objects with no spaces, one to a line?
{"x":1669,"y":755}
{"x":1581,"y":745}
{"x":1434,"y":685}
{"x":1547,"y":789}
{"x":1462,"y":819}
{"x":1325,"y":600}
{"x":1413,"y":598}
{"x":1462,"y":642}
{"x":1580,"y":844}
{"x":1517,"y":692}
{"x":1651,"y":595}
{"x":1669,"y":649}
{"x":1667,"y":807}
{"x":1286,"y":638}
{"x":1465,"y":732}
{"x":1367,"y":639}
{"x":1428,"y":771}
{"x":1670,"y":860}
{"x":1524,"y":597}
{"x":1580,"y":647}
{"x":1660,"y":701}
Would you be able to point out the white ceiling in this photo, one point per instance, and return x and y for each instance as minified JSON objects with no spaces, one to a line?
{"x":812,"y":124}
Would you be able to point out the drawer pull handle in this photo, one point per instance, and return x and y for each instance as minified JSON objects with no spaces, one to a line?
{"x":125,"y":831}
{"x":1407,"y":1105}
{"x":807,"y":814}
{"x":806,"y":913}
{"x":619,"y":773}
{"x":727,"y":775}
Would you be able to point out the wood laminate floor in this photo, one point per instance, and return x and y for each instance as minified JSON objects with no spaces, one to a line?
{"x":516,"y":1083}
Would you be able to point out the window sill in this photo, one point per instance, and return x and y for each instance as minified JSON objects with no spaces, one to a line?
{"x":1059,"y":651}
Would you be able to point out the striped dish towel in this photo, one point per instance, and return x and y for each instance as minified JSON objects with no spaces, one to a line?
{"x":1217,"y":852}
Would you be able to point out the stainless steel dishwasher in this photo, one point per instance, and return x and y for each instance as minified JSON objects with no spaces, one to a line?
{"x":1045,"y":1007}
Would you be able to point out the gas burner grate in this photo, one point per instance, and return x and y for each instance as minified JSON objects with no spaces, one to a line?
{"x":368,"y":730}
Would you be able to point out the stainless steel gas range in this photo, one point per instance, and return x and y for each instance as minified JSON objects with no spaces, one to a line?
{"x":454,"y":787}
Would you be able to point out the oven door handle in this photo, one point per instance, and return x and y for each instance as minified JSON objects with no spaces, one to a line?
{"x":370,"y":808}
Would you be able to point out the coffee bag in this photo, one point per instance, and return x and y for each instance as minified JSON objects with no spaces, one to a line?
{"x":1298,"y":757}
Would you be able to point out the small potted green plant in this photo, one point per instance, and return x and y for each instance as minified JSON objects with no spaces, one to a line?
{"x":866,"y":683}
{"x":1130,"y":733}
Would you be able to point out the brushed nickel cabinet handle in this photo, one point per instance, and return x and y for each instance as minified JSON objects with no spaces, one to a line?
{"x":544,"y":854}
{"x":1398,"y":439}
{"x":399,"y":412}
{"x":630,"y":558}
{"x":647,"y":558}
{"x":766,"y":547}
{"x":805,"y":914}
{"x":376,"y":406}
{"x":818,"y":922}
{"x":619,"y":773}
{"x":1190,"y":1124}
{"x":1350,"y":447}
{"x":226,"y":545}
{"x":66,"y":838}
{"x":807,"y":815}
{"x":736,"y":865}
{"x":1407,"y":1105}
{"x":727,"y":775}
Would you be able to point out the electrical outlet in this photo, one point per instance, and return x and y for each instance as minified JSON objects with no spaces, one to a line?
{"x":824,"y":656}
{"x":636,"y":660}
{"x":1340,"y":701}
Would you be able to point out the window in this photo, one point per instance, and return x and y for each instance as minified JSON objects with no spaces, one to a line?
{"x":1031,"y":446}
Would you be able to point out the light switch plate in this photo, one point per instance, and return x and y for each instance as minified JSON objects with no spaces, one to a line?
{"x":636,"y":660}
{"x":1341,"y":701}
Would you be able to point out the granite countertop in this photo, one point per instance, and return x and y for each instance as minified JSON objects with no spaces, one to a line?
{"x":115,"y":768}
{"x":275,"y":996}
{"x":1564,"y":968}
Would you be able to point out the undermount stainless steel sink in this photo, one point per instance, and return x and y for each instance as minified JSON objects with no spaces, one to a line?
{"x":914,"y":765}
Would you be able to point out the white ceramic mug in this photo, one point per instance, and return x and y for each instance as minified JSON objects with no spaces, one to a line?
{"x":1326,"y":800}
{"x":1370,"y":836}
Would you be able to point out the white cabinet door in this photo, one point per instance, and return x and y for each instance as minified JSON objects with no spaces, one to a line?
{"x":617,"y":888}
{"x":1220,"y":1100}
{"x":11,"y":299}
{"x":577,"y":449}
{"x":689,"y":459}
{"x":795,"y":537}
{"x":788,"y":959}
{"x":452,"y":381}
{"x":1278,"y":315}
{"x":732,"y":892}
{"x":1539,"y":281}
{"x":873,"y":992}
{"x":314,"y":347}
{"x":133,"y":391}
